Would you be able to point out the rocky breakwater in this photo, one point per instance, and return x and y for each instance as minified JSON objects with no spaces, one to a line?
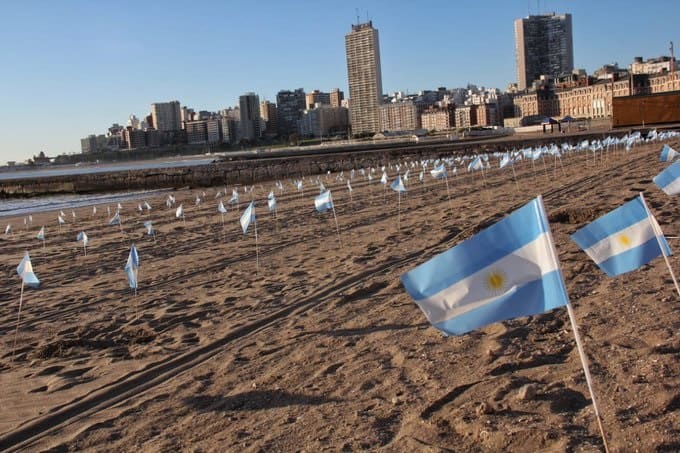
{"x":219,"y":173}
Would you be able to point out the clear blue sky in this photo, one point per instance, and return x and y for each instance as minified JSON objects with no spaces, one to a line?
{"x":71,"y":68}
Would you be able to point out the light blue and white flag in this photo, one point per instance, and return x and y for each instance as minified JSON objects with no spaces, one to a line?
{"x":179,"y":213}
{"x":147,"y":206}
{"x":247,"y":217}
{"x":383,"y":178}
{"x":115,"y":220}
{"x":421,"y":176}
{"x":8,"y":229}
{"x":349,"y":186}
{"x":41,"y":234}
{"x":668,"y":154}
{"x":505,"y":271}
{"x":406,"y":175}
{"x":139,"y":208}
{"x":398,"y":185}
{"x":322,"y":188}
{"x":149,"y":228}
{"x":30,"y":219}
{"x":438,"y":172}
{"x":198,"y":200}
{"x":505,"y":160}
{"x":132,"y":267}
{"x":669,"y":179}
{"x":234,"y":197}
{"x":60,"y":220}
{"x":25,"y":271}
{"x":82,"y":237}
{"x":298,"y":184}
{"x":73,"y":214}
{"x":220,"y":208}
{"x":476,"y":164}
{"x":271,"y":202}
{"x":622,"y":240}
{"x":323,"y":201}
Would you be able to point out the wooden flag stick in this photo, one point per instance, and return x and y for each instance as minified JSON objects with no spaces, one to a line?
{"x":16,"y":331}
{"x":577,"y":337}
{"x":657,"y":233}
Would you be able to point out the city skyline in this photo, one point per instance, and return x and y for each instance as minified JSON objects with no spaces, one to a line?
{"x":73,"y":70}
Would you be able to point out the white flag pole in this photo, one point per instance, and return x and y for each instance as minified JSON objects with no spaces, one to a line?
{"x":448,"y":193}
{"x":16,"y":331}
{"x":257,"y":251}
{"x":337,"y":228}
{"x":657,"y":232}
{"x":399,"y":210}
{"x":514,"y":175}
{"x":577,"y":337}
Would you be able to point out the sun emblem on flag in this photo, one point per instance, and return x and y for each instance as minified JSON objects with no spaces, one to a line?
{"x":495,"y":281}
{"x":624,"y":240}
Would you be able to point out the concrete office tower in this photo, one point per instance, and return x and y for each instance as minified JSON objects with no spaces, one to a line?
{"x":543,"y":46}
{"x":166,"y":116}
{"x":249,"y":106}
{"x":336,"y":97}
{"x":364,"y":77}
{"x":289,"y":108}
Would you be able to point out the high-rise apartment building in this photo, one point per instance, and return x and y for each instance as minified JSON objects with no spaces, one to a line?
{"x":317,"y":97}
{"x":249,"y":107}
{"x":289,"y":108}
{"x":270,"y":117}
{"x":543,"y":46}
{"x":364,"y":77}
{"x":336,"y":97}
{"x":166,"y":116}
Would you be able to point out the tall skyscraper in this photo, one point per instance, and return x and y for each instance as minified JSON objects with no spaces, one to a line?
{"x":166,"y":116}
{"x":364,"y":77}
{"x":249,"y":106}
{"x":543,"y":46}
{"x":289,"y":107}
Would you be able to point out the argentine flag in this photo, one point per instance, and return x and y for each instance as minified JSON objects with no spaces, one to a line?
{"x":132,"y":267}
{"x":25,"y":271}
{"x":247,"y":217}
{"x":505,"y":160}
{"x":82,"y":237}
{"x":438,"y":172}
{"x":220,"y":208}
{"x":383,"y":178}
{"x":179,"y":213}
{"x":271,"y":202}
{"x":669,"y":179}
{"x":323,"y":201}
{"x":622,"y":240}
{"x":476,"y":164}
{"x":398,"y":185}
{"x":41,"y":234}
{"x":668,"y":154}
{"x":115,"y":220}
{"x":234,"y":197}
{"x":505,"y":271}
{"x":149,"y":227}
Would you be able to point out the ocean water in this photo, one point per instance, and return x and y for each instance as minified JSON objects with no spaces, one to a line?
{"x":25,"y":206}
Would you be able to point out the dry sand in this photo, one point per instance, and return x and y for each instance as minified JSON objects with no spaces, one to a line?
{"x":322,"y":349}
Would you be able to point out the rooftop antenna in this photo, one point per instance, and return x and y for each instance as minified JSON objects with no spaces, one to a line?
{"x":672,"y":59}
{"x":357,"y":12}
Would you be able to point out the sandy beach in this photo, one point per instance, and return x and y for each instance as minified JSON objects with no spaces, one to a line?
{"x":321,"y":348}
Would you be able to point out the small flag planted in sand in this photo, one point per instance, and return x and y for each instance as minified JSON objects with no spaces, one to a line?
{"x":8,"y":229}
{"x":271,"y":202}
{"x":60,"y":220}
{"x":120,"y":207}
{"x":669,"y":179}
{"x":132,"y":267}
{"x":41,"y":235}
{"x":247,"y":217}
{"x":220,"y":208}
{"x":398,"y":185}
{"x":234,"y":197}
{"x":668,"y":154}
{"x":28,"y":278}
{"x":383,"y":178}
{"x":623,"y":240}
{"x":25,"y":271}
{"x":94,"y":210}
{"x":476,"y":164}
{"x":147,"y":206}
{"x":438,"y":172}
{"x":82,"y":237}
{"x":323,"y":201}
{"x":115,"y":220}
{"x":179,"y":213}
